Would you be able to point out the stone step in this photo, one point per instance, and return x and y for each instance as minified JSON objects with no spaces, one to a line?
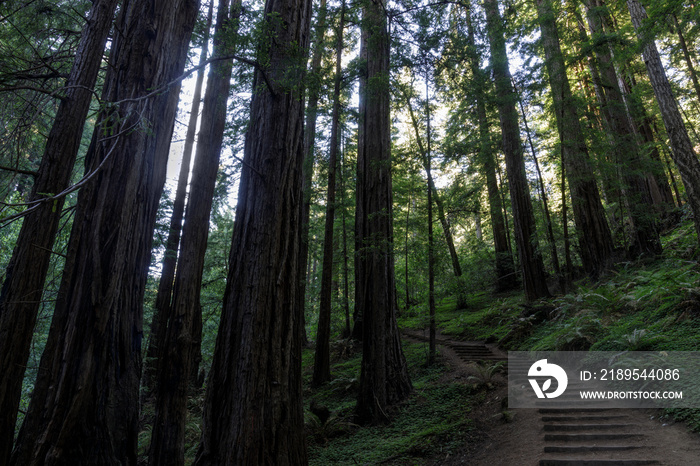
{"x":572,"y":410}
{"x":595,"y":462}
{"x":589,"y":437}
{"x":566,"y":418}
{"x":577,"y":427}
{"x":589,"y":448}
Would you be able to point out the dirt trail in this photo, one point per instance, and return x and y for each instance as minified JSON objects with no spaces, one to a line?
{"x":557,"y":437}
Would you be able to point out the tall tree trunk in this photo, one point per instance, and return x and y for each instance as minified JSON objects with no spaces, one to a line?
{"x":253,"y":410}
{"x":568,"y":273}
{"x":431,"y":242}
{"x":595,"y":240}
{"x":456,"y":268}
{"x":20,"y":296}
{"x":183,"y":334}
{"x":681,"y":148}
{"x":322,"y":359}
{"x":543,"y":194}
{"x":159,"y":324}
{"x":686,"y":55}
{"x":314,"y":89}
{"x":84,"y":409}
{"x":346,"y":279}
{"x":645,"y":236}
{"x":534,"y":280}
{"x":506,"y":278}
{"x":384,"y":378}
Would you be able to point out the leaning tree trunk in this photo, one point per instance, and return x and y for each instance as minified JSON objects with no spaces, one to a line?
{"x":84,"y":409}
{"x":543,"y":195}
{"x":645,"y":236}
{"x":681,"y":148}
{"x":524,"y":222}
{"x":322,"y":358}
{"x":686,"y":55}
{"x":183,"y":334}
{"x":159,"y":324}
{"x":595,"y":241}
{"x":505,"y":268}
{"x":20,"y":297}
{"x":384,"y":377}
{"x":253,"y":410}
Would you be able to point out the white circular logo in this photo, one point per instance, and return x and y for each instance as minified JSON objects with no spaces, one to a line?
{"x":542,"y":368}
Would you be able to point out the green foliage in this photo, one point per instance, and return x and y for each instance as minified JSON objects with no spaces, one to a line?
{"x":433,"y":419}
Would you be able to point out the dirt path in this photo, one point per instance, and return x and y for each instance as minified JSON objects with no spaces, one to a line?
{"x":529,"y":437}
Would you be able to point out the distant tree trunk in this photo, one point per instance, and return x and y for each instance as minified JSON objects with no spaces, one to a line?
{"x":534,"y":280}
{"x":20,"y":296}
{"x":682,"y":150}
{"x":322,"y":359}
{"x":183,"y":333}
{"x":595,"y":239}
{"x":457,"y":269}
{"x":309,"y":142}
{"x":686,"y":55}
{"x":543,"y":195}
{"x":84,"y":408}
{"x":159,"y":324}
{"x":431,"y":243}
{"x":505,"y":268}
{"x":568,"y":273}
{"x":346,"y":285}
{"x":253,"y":410}
{"x":645,"y":236}
{"x":384,"y":377}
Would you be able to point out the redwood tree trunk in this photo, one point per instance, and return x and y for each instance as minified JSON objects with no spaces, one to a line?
{"x":20,"y":297}
{"x":681,"y":148}
{"x":384,"y":377}
{"x":524,"y":222}
{"x":84,"y":408}
{"x":253,"y":408}
{"x":595,"y":240}
{"x":183,"y":335}
{"x":309,"y":157}
{"x":636,"y":192}
{"x":505,"y":268}
{"x":322,"y":359}
{"x":159,"y":324}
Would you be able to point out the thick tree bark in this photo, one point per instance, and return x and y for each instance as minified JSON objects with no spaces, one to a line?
{"x":253,"y":410}
{"x":636,"y":192}
{"x":183,"y":334}
{"x":595,"y":241}
{"x":20,"y":297}
{"x":322,"y":359}
{"x":534,"y":280}
{"x":309,"y":142}
{"x":84,"y":410}
{"x":681,"y":148}
{"x":384,"y":377}
{"x":159,"y":324}
{"x":506,"y":278}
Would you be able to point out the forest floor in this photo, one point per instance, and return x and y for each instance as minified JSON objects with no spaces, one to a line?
{"x":476,"y":428}
{"x":458,"y":412}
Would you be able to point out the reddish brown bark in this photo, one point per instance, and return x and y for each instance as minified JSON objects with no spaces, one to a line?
{"x":84,"y":409}
{"x":253,"y":410}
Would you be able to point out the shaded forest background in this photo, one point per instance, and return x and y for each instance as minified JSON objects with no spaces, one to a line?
{"x":193,"y":196}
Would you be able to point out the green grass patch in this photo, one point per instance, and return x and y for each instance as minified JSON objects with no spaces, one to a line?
{"x":434,"y":418}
